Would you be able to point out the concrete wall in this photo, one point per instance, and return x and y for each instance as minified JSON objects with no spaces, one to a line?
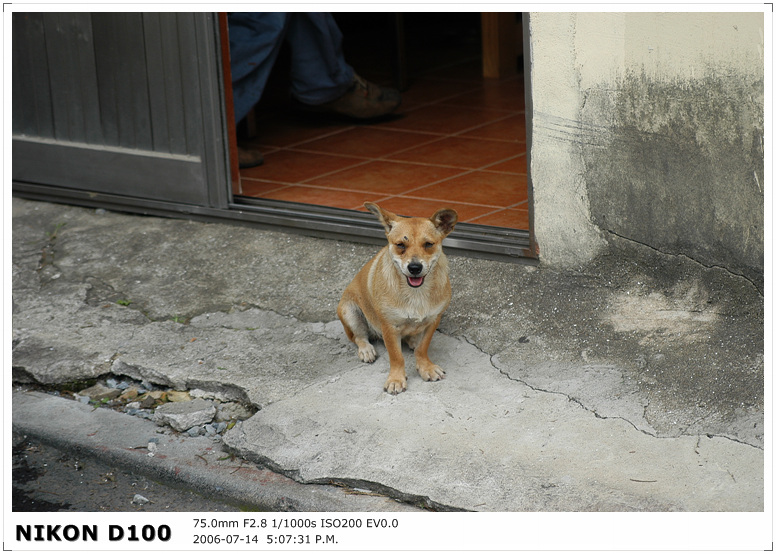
{"x":649,"y":126}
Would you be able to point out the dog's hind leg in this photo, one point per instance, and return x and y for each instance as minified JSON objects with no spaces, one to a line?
{"x":356,"y":329}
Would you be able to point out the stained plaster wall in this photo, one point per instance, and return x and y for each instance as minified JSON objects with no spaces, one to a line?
{"x":649,"y":126}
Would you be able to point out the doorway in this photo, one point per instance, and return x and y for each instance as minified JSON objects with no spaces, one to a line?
{"x":458,"y":139}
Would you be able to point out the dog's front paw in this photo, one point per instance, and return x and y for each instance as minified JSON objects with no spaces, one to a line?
{"x":395,"y":385}
{"x":367,"y":353}
{"x":432,"y":373}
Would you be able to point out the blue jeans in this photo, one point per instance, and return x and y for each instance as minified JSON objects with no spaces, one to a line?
{"x":319,"y":73}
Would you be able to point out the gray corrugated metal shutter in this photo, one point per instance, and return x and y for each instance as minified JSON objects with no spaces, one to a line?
{"x":122,"y":103}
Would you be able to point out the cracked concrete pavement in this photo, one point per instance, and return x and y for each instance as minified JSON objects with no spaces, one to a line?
{"x":632,"y":383}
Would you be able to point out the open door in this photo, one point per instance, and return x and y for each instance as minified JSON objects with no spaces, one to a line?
{"x":125,"y":104}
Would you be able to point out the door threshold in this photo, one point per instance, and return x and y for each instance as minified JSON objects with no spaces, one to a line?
{"x":468,"y":239}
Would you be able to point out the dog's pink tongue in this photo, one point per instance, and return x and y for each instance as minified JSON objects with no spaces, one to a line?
{"x":415,"y":281}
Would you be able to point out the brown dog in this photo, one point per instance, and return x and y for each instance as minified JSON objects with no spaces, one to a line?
{"x":401,"y":293}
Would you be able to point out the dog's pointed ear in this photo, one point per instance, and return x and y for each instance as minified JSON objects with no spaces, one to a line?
{"x":388,"y":219}
{"x":444,"y":220}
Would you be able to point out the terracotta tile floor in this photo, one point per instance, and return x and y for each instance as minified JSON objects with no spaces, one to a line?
{"x":458,"y":140}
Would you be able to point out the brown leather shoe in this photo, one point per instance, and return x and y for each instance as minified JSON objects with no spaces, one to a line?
{"x":364,"y":100}
{"x":248,"y":157}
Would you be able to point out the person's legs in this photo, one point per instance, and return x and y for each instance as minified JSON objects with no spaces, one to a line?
{"x":319,"y":72}
{"x":254,"y":43}
{"x":320,"y":77}
{"x":322,"y":80}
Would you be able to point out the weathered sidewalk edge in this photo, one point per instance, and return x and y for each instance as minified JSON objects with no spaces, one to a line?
{"x":194,"y":463}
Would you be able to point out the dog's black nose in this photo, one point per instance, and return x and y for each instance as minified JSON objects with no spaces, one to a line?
{"x":414,"y":268}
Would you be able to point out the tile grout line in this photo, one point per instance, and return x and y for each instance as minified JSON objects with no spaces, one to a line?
{"x":465,"y":172}
{"x":329,"y":173}
{"x":365,"y":161}
{"x":283,"y":185}
{"x":474,"y":219}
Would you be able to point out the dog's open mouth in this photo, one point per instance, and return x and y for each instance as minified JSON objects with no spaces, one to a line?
{"x":414,"y":281}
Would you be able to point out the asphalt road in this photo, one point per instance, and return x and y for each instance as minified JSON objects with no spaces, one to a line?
{"x":46,"y":479}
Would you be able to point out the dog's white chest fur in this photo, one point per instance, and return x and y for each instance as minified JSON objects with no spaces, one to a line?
{"x":412,"y":315}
